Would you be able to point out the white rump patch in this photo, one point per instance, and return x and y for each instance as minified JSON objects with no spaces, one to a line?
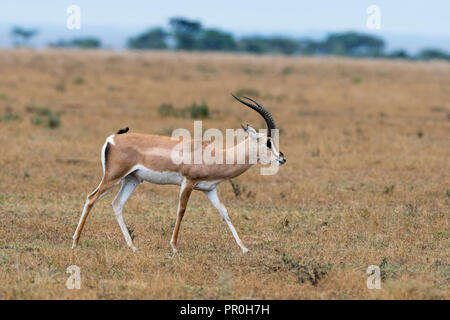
{"x":110,"y":139}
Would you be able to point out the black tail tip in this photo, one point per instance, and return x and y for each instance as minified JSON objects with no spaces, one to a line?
{"x":123,"y":130}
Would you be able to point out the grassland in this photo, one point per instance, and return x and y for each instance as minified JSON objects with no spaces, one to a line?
{"x":367,"y":181}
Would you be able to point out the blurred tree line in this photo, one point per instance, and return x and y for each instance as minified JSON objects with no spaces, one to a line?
{"x":83,"y":43}
{"x":190,"y":35}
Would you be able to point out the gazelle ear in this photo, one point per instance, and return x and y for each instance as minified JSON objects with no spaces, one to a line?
{"x":250,"y":131}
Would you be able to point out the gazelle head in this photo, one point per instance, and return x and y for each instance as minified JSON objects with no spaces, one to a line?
{"x":265,"y":143}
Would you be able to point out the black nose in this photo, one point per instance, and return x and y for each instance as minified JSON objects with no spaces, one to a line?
{"x":282,"y":158}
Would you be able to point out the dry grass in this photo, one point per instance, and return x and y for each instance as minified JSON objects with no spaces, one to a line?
{"x":367,"y":178}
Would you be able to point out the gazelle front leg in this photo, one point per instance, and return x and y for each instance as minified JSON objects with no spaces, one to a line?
{"x":212,"y":196}
{"x":185,"y":193}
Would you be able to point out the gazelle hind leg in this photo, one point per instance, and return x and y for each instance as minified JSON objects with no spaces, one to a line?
{"x":129,"y":184}
{"x":98,"y":193}
{"x":213,"y":197}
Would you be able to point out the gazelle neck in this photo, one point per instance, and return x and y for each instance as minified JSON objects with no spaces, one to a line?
{"x":241,"y":158}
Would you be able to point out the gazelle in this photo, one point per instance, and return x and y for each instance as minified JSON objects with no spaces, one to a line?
{"x":132,"y":158}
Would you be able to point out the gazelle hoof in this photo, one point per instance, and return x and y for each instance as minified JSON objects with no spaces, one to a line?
{"x":174,"y":248}
{"x":244,"y":250}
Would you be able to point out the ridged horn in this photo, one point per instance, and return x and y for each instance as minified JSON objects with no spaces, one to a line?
{"x":261,"y":110}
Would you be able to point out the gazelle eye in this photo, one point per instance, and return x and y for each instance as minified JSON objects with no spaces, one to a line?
{"x":269,"y":144}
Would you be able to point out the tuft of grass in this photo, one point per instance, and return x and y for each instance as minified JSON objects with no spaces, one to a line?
{"x":239,"y":190}
{"x":78,"y":80}
{"x":412,"y":209}
{"x":9,"y":115}
{"x":388,"y":270}
{"x":437,"y":109}
{"x":54,"y":120}
{"x":130,"y":231}
{"x":44,"y":116}
{"x":388,"y":189}
{"x":357,"y":79}
{"x":37,"y":120}
{"x":43,"y":111}
{"x":193,"y":111}
{"x":316,"y":153}
{"x":236,"y":186}
{"x":311,"y":272}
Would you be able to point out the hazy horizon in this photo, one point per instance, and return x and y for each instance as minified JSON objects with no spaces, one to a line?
{"x":412,"y":25}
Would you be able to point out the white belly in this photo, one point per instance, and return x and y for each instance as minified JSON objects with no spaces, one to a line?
{"x":145,"y":174}
{"x":165,"y":177}
{"x":207,"y":185}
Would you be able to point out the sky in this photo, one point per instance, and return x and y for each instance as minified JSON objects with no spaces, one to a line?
{"x":404,"y":23}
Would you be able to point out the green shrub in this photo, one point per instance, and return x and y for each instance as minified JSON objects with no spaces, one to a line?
{"x":44,"y":116}
{"x":78,"y":80}
{"x":43,"y":111}
{"x":9,"y":115}
{"x":437,"y":109}
{"x":194,"y":111}
{"x":199,"y":110}
{"x":53,"y":121}
{"x":166,"y":110}
{"x":37,"y":120}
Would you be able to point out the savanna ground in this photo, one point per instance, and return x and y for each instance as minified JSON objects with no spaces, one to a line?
{"x":366,"y":180}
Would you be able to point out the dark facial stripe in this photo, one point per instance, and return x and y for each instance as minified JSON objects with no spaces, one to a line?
{"x":107,"y":151}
